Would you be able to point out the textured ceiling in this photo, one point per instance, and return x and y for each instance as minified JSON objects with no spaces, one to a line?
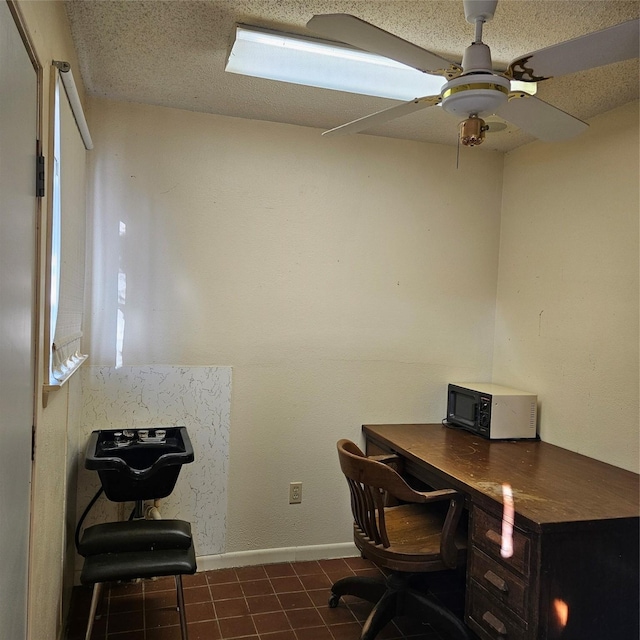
{"x":173,"y":54}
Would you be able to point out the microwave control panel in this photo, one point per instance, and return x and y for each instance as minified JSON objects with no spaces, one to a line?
{"x":484,"y":414}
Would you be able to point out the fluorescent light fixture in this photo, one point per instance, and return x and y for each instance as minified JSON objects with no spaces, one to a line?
{"x":273,"y":55}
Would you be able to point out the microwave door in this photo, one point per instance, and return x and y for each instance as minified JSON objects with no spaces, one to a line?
{"x":464,"y":409}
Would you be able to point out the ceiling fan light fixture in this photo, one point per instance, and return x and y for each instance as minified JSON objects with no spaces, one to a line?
{"x":472,"y":131}
{"x":274,"y":55}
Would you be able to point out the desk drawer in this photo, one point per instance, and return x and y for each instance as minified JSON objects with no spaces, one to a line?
{"x":491,"y":620}
{"x":502,"y":584}
{"x":487,"y":534}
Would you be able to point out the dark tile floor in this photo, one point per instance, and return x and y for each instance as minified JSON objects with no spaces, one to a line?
{"x":286,"y":601}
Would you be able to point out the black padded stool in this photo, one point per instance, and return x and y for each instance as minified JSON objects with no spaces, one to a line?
{"x":137,"y":549}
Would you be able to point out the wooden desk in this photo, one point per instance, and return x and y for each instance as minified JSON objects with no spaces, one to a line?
{"x":574,"y":574}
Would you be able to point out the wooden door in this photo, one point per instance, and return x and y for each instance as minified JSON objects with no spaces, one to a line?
{"x":18,"y":130}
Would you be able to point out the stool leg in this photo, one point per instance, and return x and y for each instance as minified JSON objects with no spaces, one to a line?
{"x":95,"y":598}
{"x":183,"y":617}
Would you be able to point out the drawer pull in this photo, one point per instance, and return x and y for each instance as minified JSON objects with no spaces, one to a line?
{"x":496,"y":581}
{"x":493,"y":536}
{"x":496,"y":624}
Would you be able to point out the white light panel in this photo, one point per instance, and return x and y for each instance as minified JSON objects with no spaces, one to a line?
{"x":263,"y":53}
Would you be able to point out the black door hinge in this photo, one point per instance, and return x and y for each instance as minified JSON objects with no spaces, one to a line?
{"x":33,"y":443}
{"x":40,"y":176}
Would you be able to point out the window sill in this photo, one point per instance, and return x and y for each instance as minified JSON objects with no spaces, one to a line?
{"x":47,"y":388}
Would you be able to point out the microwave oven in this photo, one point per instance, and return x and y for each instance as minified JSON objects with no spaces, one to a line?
{"x":492,"y":411}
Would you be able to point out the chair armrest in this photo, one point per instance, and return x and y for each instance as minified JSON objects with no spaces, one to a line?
{"x":437,"y":495}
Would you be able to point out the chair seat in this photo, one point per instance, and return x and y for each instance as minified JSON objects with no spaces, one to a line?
{"x":414,"y":533}
{"x":127,"y":565}
{"x":136,"y":535}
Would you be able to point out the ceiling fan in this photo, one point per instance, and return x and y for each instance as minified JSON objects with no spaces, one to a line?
{"x":474,"y":89}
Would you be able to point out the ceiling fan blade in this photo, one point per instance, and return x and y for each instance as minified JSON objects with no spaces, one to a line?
{"x":586,"y":52}
{"x":540,"y":118}
{"x":358,"y":33}
{"x":383,"y":116}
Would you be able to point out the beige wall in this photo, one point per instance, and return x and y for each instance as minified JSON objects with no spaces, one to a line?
{"x":335,"y":276}
{"x":567,"y":308}
{"x":344,"y":281}
{"x":54,"y":469}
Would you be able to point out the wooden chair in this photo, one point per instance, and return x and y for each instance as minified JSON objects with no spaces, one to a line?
{"x":407,"y":540}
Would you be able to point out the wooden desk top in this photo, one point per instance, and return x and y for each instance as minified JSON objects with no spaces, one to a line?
{"x":552,"y":487}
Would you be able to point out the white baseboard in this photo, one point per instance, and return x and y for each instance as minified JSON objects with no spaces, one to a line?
{"x":271,"y":556}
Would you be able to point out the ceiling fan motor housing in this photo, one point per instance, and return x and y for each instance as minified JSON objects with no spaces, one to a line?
{"x":477,"y":94}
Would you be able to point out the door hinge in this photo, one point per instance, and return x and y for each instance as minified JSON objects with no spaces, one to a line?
{"x":40,"y":174}
{"x":33,"y":443}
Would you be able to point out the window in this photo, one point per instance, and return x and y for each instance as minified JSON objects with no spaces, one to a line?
{"x":67,"y":231}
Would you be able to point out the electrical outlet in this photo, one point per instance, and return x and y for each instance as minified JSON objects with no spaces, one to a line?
{"x":295,"y":493}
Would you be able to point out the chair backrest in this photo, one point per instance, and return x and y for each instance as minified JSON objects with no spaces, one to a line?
{"x":371,"y":481}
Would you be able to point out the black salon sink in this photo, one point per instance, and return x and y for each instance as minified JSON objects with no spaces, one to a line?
{"x":138,"y":464}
